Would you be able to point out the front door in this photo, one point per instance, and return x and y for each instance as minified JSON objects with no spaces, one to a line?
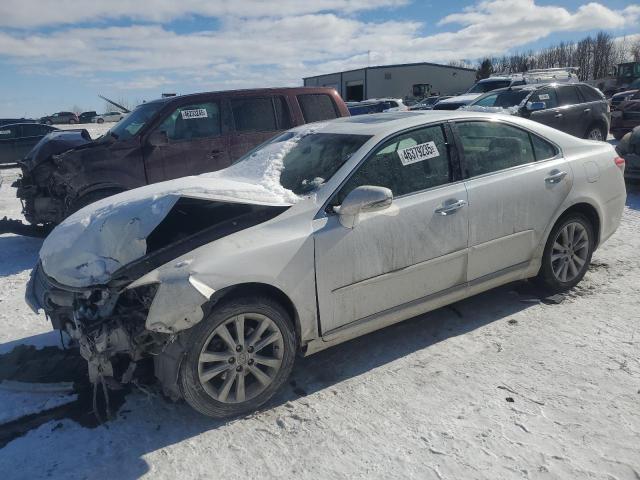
{"x":516,"y":184}
{"x":415,"y":248}
{"x":8,"y":136}
{"x":551,"y":114}
{"x":572,"y":110}
{"x":196,"y":143}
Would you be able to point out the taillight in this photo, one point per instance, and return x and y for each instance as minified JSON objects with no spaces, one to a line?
{"x":619,"y":161}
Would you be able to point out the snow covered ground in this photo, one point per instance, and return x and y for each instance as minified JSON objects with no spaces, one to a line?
{"x":499,"y":386}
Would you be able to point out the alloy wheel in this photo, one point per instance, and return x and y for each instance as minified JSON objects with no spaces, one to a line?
{"x":595,"y":134}
{"x":241,"y":358}
{"x":570,"y":252}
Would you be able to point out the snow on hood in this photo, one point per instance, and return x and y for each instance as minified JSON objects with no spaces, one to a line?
{"x":90,"y":245}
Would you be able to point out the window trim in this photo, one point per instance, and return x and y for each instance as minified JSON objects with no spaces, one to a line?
{"x":454,"y":164}
{"x":463,"y":161}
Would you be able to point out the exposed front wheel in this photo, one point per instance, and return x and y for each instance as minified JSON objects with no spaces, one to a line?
{"x":100,"y":120}
{"x":567,"y":254}
{"x":238,"y":357}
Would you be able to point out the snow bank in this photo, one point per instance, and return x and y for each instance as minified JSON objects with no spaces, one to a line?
{"x":16,"y":405}
{"x":94,"y":242}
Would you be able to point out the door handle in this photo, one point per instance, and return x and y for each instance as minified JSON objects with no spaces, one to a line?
{"x":449,"y":208}
{"x":215,"y":153}
{"x":586,"y":110}
{"x":555,"y":176}
{"x":558,"y":115}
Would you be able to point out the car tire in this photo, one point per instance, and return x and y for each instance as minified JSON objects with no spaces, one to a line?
{"x":72,"y":121}
{"x":100,"y":120}
{"x":237,"y":388}
{"x":567,"y":253}
{"x":596,"y":132}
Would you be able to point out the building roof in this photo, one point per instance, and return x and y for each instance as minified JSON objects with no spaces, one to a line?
{"x":394,"y":66}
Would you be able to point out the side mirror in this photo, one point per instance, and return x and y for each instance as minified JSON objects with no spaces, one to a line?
{"x":363,"y":199}
{"x":535,"y":106}
{"x":157,"y":138}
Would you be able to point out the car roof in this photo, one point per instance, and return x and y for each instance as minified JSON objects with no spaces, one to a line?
{"x":24,"y":123}
{"x":390,"y":122}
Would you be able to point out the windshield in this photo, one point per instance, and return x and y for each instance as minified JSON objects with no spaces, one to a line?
{"x":132,"y":123}
{"x":300,"y":161}
{"x":483,"y":87}
{"x":507,"y":98}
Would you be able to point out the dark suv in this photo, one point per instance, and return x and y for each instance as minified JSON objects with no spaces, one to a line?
{"x":575,"y":108}
{"x":160,"y":140}
{"x":60,"y":117}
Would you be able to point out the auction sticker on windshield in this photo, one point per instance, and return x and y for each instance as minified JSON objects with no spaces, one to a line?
{"x":418,"y":153}
{"x":195,"y":113}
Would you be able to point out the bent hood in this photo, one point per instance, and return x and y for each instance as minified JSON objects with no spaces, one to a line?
{"x":54,"y":143}
{"x":90,"y":245}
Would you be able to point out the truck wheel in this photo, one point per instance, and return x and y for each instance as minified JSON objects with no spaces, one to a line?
{"x":100,"y":120}
{"x":238,"y":357}
{"x":567,"y":254}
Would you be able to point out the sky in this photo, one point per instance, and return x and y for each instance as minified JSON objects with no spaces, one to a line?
{"x":60,"y":54}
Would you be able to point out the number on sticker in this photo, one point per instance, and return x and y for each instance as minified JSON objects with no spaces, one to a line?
{"x":195,"y":113}
{"x":418,"y":153}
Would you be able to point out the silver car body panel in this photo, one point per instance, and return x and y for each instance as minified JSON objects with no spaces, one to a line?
{"x":344,"y":282}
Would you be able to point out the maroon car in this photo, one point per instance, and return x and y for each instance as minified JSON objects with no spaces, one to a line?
{"x":160,"y":140}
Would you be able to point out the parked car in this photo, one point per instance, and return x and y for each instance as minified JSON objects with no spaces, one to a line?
{"x":428,"y":103}
{"x":108,"y":117}
{"x":323,"y":234}
{"x":626,"y":116}
{"x":164,"y":139}
{"x":376,"y":105}
{"x":86,"y":117}
{"x":627,"y":94}
{"x":60,"y":117}
{"x":497,"y":81}
{"x":17,"y":139}
{"x":577,"y":108}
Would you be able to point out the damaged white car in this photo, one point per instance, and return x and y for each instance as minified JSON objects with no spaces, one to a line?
{"x":325,"y":233}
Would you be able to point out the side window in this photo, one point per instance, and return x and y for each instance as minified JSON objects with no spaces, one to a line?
{"x":7,"y":133}
{"x":546,"y":95}
{"x":542,"y":149}
{"x":198,"y":120}
{"x":316,"y":107}
{"x":253,"y":114}
{"x":282,"y":113}
{"x":492,"y":146}
{"x":568,"y":95}
{"x":33,"y":130}
{"x":590,"y":94}
{"x":407,"y":163}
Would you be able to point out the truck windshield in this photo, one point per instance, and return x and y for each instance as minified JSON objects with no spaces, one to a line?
{"x":132,"y":123}
{"x":483,"y":87}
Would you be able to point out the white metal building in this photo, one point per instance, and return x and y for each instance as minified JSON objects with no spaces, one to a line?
{"x":409,"y":80}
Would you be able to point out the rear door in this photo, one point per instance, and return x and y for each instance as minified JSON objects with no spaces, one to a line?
{"x":575,"y":120}
{"x":196,"y":143}
{"x":256,"y":120}
{"x":406,"y":253}
{"x":516,"y":182}
{"x":8,"y":135}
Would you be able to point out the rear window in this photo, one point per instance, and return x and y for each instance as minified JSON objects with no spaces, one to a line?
{"x":508,"y":98}
{"x":253,"y":114}
{"x":568,"y":96}
{"x":34,"y":130}
{"x":590,"y":94}
{"x":316,"y":107}
{"x":282,"y":113}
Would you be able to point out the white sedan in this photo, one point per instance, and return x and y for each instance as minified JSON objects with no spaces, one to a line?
{"x":327,"y":232}
{"x":108,"y":117}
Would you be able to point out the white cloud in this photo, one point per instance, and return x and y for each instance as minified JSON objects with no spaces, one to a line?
{"x":302,"y":40}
